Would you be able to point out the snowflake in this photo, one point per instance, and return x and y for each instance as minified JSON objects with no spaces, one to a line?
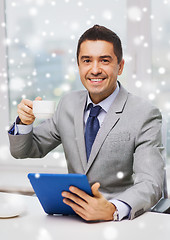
{"x":23,"y":96}
{"x":11,"y":61}
{"x":53,"y":55}
{"x":48,"y":75}
{"x":16,"y":40}
{"x":138,"y":84}
{"x":72,"y":37}
{"x":47,"y":21}
{"x":88,"y":22}
{"x":3,"y":87}
{"x":149,"y":70}
{"x":79,"y":4}
{"x":151,"y":96}
{"x":144,"y":9}
{"x":145,"y":44}
{"x":23,"y":55}
{"x":53,"y":3}
{"x":70,"y":51}
{"x":134,"y":76}
{"x":152,"y":16}
{"x":3,"y":24}
{"x":167,"y":105}
{"x":161,"y":70}
{"x":66,"y":76}
{"x":14,"y":103}
{"x":34,"y":73}
{"x":134,"y":13}
{"x":65,"y":87}
{"x":44,"y":34}
{"x":56,"y":155}
{"x":110,"y":233}
{"x":7,"y":42}
{"x":120,"y":175}
{"x":107,"y":15}
{"x":33,"y":11}
{"x":37,"y":175}
{"x":43,"y":234}
{"x":29,"y":83}
{"x":13,"y":4}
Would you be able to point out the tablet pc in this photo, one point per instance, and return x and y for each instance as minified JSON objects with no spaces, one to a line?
{"x":48,"y":188}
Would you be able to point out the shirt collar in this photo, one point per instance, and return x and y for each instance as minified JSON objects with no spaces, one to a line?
{"x":106,"y":103}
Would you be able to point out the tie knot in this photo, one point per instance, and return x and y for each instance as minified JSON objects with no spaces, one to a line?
{"x":94,"y":111}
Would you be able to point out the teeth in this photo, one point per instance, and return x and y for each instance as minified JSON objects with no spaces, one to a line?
{"x":97,"y":80}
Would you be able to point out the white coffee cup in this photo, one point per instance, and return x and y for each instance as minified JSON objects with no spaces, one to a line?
{"x":43,"y":109}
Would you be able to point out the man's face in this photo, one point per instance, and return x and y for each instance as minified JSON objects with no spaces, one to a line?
{"x":98,"y":68}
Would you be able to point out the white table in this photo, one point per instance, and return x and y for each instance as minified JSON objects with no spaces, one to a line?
{"x":34,"y":224}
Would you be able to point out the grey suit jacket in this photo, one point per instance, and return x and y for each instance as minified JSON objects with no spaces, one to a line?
{"x":126,"y":157}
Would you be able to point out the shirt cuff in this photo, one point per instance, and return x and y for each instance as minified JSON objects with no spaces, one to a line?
{"x":19,"y":129}
{"x":122,"y":208}
{"x":24,"y":129}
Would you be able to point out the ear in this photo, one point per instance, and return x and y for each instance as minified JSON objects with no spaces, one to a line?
{"x":121,"y":66}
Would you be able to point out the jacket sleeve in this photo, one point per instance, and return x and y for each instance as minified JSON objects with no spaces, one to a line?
{"x":148,"y":167}
{"x":37,"y":143}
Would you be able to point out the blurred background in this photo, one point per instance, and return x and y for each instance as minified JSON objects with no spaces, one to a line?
{"x":38,"y":40}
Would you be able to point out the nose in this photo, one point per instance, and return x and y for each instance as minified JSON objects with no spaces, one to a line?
{"x":95,"y":69}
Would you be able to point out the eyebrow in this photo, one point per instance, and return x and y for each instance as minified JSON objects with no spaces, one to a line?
{"x":106,"y":56}
{"x":101,"y":57}
{"x":82,"y":57}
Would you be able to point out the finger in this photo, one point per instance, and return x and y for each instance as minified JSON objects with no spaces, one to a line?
{"x":24,"y":109}
{"x":76,"y":208}
{"x":27,"y":102}
{"x":25,"y":106}
{"x":74,"y":198}
{"x":72,"y":204}
{"x":25,"y":116}
{"x":38,"y":98}
{"x":80,"y":193}
{"x":26,"y":119}
{"x":95,"y":189}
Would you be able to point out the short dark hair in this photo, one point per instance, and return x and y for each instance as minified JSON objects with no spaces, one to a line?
{"x":98,"y":32}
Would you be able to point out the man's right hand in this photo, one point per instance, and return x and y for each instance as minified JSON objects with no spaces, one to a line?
{"x":25,"y":111}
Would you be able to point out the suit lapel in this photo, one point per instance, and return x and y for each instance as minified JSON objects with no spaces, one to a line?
{"x":79,"y":128}
{"x":110,"y":121}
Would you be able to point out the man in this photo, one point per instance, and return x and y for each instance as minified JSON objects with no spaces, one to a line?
{"x":124,"y":164}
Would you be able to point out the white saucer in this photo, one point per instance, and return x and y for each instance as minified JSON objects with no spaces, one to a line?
{"x":11,"y":206}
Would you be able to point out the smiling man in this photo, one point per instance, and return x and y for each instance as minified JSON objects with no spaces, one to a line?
{"x":107,"y":133}
{"x":99,"y":68}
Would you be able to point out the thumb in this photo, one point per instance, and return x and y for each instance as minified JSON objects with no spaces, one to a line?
{"x":38,"y":98}
{"x":95,"y":190}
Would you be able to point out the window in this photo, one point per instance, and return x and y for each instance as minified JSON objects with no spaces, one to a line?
{"x":41,"y":41}
{"x":161,"y":61}
{"x":39,"y":48}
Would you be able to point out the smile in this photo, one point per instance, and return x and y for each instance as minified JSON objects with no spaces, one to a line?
{"x":96,"y":79}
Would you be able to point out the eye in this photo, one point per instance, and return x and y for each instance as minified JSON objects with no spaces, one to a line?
{"x":105,"y":60}
{"x":86,"y":61}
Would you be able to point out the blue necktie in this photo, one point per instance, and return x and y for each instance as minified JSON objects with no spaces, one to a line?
{"x":92,"y":127}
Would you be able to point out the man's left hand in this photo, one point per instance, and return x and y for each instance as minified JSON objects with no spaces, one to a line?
{"x":90,"y":208}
